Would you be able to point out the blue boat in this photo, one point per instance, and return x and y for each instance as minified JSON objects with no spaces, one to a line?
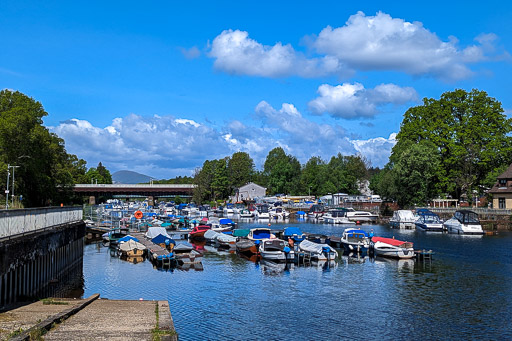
{"x":294,"y":233}
{"x":428,"y":221}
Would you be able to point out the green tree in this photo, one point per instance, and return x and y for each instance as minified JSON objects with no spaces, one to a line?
{"x":470,"y":132}
{"x":313,"y":176}
{"x":46,"y":171}
{"x":104,"y":173}
{"x":415,"y":174}
{"x":240,"y":169}
{"x":282,"y":171}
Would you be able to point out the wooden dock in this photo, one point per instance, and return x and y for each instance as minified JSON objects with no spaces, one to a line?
{"x":157,"y":254}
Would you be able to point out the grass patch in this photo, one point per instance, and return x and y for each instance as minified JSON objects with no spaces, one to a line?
{"x":157,"y":333}
{"x":37,"y":335}
{"x":15,"y":333}
{"x":50,"y":301}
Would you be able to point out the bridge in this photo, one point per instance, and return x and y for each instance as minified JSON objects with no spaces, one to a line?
{"x":93,"y":191}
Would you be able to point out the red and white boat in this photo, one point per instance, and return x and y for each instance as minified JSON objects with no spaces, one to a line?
{"x":198,"y":232}
{"x":393,"y":248}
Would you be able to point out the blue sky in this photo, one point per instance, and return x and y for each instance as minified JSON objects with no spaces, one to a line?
{"x":160,"y":87}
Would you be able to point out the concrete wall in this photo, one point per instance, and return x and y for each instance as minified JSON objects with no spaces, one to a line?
{"x":14,"y":222}
{"x":31,"y":262}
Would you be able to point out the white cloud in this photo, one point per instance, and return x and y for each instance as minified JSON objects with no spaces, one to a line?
{"x":377,"y":150}
{"x":164,"y":147}
{"x":354,"y":101}
{"x":236,"y":53}
{"x":381,"y":42}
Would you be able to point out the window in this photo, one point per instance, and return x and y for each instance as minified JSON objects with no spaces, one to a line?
{"x":503,"y":182}
{"x":501,"y":202}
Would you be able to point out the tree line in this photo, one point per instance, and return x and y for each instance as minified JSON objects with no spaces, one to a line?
{"x":452,"y":147}
{"x":281,"y":174}
{"x":44,"y":172}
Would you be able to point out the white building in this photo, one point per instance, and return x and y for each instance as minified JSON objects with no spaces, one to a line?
{"x":249,"y":192}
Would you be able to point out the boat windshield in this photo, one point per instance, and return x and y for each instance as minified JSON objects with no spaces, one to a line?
{"x":467,"y":217}
{"x":431,"y":219}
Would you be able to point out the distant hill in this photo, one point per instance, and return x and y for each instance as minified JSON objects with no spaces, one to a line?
{"x":129,"y":177}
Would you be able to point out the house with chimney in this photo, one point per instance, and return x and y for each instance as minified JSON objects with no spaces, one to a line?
{"x":502,"y":190}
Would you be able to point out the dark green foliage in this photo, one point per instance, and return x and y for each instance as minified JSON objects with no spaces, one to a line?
{"x":468,"y":138}
{"x":46,"y":171}
{"x":282,"y":172}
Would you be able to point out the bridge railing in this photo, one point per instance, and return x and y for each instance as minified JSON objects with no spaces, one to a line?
{"x":14,"y":222}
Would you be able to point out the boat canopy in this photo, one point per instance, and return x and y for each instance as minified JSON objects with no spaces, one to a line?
{"x":226,"y":238}
{"x":226,"y":221}
{"x":127,"y":238}
{"x":309,"y":246}
{"x":155,"y":231}
{"x":183,"y":247}
{"x":292,"y":231}
{"x":241,"y":232}
{"x":352,"y":233}
{"x":467,"y":217}
{"x":211,"y":234}
{"x":131,"y":245}
{"x":391,"y":241}
{"x":260,"y":233}
{"x":161,"y":239}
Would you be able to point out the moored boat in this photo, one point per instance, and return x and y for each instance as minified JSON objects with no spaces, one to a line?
{"x":276,"y":250}
{"x":132,"y":248}
{"x":393,"y":248}
{"x":403,"y":219}
{"x":355,"y":240}
{"x":294,"y":234}
{"x":428,"y":221}
{"x":199,"y":231}
{"x":464,"y":222}
{"x":318,"y":252}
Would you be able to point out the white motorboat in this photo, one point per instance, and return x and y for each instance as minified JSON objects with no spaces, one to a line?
{"x":361,"y":216}
{"x":276,"y":250}
{"x":355,"y":240}
{"x":393,"y":248}
{"x":318,"y":252}
{"x":245,"y":213}
{"x":278,"y":213}
{"x":428,"y":221}
{"x":403,"y":219}
{"x":262,"y":212}
{"x":464,"y":222}
{"x":337,"y":217}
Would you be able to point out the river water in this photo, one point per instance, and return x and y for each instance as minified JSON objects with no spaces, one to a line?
{"x":464,"y":293}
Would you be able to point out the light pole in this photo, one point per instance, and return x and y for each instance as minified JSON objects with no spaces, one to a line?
{"x":7,"y":188}
{"x":309,"y":192}
{"x":12,"y":194}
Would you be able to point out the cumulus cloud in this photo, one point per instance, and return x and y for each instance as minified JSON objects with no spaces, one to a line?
{"x":165,"y":146}
{"x":354,"y":101}
{"x":377,"y":150}
{"x":236,"y":53}
{"x":381,"y":42}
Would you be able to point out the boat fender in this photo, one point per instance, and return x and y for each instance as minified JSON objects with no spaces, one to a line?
{"x":286,"y":249}
{"x":170,"y":255}
{"x":257,"y":242}
{"x":326,"y":249}
{"x":167,"y":242}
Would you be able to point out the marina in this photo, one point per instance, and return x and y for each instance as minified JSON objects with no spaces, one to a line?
{"x":218,"y":299}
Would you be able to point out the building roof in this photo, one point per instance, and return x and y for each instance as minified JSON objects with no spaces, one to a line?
{"x":507,"y":174}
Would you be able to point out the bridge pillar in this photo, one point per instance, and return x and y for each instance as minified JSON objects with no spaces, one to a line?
{"x":151,"y":201}
{"x":92,"y":200}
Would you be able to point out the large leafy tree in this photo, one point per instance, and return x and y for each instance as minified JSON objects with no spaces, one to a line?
{"x":240,"y":169}
{"x":415,"y":174}
{"x":313,"y":176}
{"x":46,"y":171}
{"x":282,"y":172}
{"x":469,"y":131}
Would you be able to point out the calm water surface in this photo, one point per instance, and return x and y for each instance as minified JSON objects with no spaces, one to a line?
{"x":465,"y":293}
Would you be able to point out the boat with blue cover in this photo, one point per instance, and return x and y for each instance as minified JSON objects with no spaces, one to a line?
{"x":294,"y":233}
{"x":355,"y":240}
{"x":428,"y":221}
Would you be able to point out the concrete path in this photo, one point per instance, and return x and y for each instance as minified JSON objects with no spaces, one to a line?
{"x":91,"y":319}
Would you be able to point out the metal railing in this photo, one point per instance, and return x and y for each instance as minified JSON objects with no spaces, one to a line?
{"x":14,"y":222}
{"x":479,"y":211}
